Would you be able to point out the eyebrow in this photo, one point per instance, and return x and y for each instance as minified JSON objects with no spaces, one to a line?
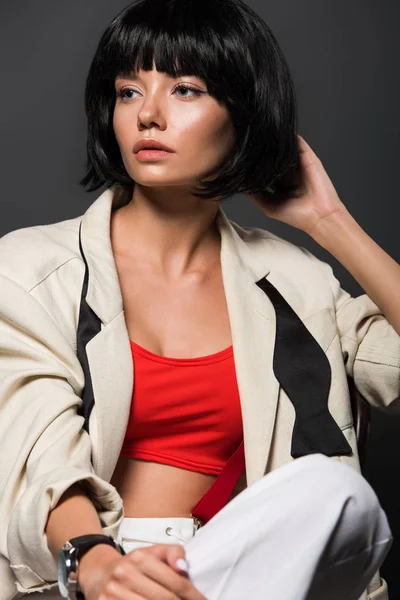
{"x":130,"y":76}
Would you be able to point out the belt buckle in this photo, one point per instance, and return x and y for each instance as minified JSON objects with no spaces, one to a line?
{"x":197,"y":523}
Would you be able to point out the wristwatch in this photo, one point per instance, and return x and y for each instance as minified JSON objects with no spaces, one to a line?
{"x":68,"y":562}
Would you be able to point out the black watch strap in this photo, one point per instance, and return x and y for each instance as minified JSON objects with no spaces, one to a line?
{"x":83,"y":543}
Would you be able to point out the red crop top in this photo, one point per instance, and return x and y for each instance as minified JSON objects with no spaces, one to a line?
{"x":185,"y":411}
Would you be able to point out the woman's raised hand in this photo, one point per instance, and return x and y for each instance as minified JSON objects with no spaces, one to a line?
{"x":143,"y":574}
{"x":313,"y":198}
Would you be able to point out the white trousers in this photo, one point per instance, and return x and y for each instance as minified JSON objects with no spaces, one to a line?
{"x":311,"y":530}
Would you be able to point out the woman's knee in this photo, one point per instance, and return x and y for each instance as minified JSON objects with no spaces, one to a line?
{"x":328,"y":483}
{"x":346,"y":492}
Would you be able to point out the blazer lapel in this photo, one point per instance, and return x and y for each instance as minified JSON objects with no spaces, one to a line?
{"x":252,"y":321}
{"x":109,"y":369}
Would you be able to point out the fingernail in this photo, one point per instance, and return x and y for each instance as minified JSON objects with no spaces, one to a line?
{"x":182,"y":564}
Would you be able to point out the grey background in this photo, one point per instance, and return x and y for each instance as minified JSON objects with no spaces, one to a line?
{"x":344,"y":57}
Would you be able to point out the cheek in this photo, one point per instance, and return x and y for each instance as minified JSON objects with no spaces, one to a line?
{"x":121,"y":129}
{"x":116,"y":127}
{"x":219,"y":136}
{"x":211,"y":133}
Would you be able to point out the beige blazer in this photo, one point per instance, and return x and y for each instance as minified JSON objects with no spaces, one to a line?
{"x":44,"y":446}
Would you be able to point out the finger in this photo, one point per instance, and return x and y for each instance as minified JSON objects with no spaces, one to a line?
{"x":118,"y":591}
{"x":302,"y":142}
{"x":143,"y":575}
{"x":176,"y":558}
{"x":170,"y":554}
{"x":161,"y":574}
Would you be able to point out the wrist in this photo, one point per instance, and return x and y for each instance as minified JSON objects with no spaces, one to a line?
{"x":93,"y":562}
{"x":329,"y":232}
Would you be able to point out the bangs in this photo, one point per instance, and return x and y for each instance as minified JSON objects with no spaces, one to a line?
{"x":179,"y":39}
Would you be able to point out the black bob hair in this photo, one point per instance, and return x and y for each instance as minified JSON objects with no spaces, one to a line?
{"x":227,"y":45}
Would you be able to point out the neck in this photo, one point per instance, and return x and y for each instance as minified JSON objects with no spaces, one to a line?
{"x":174,"y":236}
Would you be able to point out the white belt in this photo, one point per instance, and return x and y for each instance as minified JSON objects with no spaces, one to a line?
{"x":145,"y":531}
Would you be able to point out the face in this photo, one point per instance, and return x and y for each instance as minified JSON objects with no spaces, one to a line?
{"x":178,"y":113}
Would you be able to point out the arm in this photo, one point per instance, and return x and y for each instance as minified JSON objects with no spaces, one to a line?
{"x":368,"y":326}
{"x":376,"y":271}
{"x":101,"y":565}
{"x":76,"y":515}
{"x":311,"y":204}
{"x":370,"y":345}
{"x":45,"y":449}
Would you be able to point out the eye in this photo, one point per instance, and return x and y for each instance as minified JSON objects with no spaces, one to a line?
{"x":188,"y":87}
{"x":121,"y":93}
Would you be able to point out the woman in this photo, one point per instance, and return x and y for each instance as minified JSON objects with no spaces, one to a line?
{"x":155,"y":276}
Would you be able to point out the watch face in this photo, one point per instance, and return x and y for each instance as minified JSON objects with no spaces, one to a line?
{"x":63,"y":573}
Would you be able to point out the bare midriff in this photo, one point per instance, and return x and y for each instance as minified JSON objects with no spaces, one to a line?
{"x":151,"y":489}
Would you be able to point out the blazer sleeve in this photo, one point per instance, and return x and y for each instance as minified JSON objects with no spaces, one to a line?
{"x":370,"y":344}
{"x":44,"y":448}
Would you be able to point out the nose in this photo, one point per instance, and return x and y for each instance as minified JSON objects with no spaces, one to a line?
{"x":151,"y":112}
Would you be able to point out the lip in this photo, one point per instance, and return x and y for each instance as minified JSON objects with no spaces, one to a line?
{"x":152,"y":154}
{"x":150,"y":144}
